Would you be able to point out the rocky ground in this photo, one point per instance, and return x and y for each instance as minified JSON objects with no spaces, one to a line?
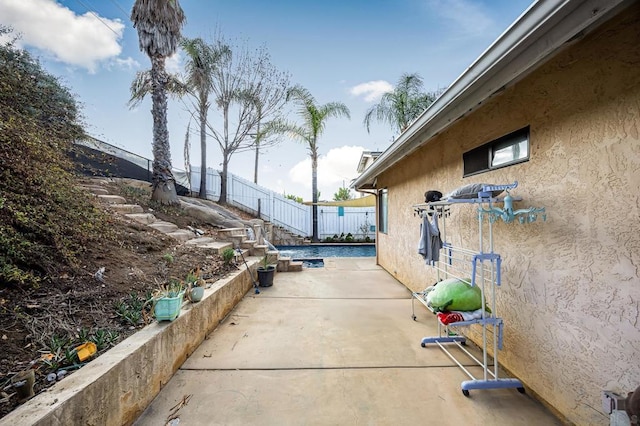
{"x":39,"y":328}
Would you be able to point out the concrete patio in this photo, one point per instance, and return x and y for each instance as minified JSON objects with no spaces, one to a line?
{"x":330,"y":346}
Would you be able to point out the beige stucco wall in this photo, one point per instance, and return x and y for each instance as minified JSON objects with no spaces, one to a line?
{"x":571,"y":287}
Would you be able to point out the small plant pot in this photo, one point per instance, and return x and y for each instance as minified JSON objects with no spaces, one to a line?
{"x":168,"y":308}
{"x":265,"y":275}
{"x":196,"y":294}
{"x":23,"y":384}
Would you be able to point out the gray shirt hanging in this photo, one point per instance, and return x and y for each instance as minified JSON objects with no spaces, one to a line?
{"x":430,"y":243}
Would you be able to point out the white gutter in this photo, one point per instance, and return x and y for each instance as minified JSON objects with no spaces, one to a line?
{"x":541,"y":31}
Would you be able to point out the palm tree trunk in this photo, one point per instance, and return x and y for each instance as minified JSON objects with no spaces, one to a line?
{"x":164,"y":185}
{"x":203,"y":150}
{"x":314,"y":197}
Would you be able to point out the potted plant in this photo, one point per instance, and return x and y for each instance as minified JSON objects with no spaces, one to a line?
{"x":195,"y":286}
{"x":266,"y":272}
{"x":167,"y":300}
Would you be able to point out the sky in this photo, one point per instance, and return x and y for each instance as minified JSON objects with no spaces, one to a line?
{"x":348,"y":51}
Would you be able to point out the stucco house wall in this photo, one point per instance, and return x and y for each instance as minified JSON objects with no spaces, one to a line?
{"x":570,"y":296}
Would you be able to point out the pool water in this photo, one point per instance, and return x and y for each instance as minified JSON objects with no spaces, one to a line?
{"x":321,"y":251}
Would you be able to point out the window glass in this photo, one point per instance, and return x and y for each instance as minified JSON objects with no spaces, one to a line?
{"x":510,"y":151}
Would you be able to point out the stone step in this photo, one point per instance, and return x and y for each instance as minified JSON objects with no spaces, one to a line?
{"x":272,"y":256}
{"x":216,"y":246}
{"x":259,"y":250}
{"x":94,"y":189}
{"x":93,"y":181}
{"x":164,"y":227}
{"x":248,"y":244}
{"x":181,"y":235}
{"x":200,"y":241}
{"x":145,"y":218}
{"x":283,"y":264}
{"x":295,"y":266}
{"x":111,"y":199}
{"x":126,"y":208}
{"x":232,"y":234}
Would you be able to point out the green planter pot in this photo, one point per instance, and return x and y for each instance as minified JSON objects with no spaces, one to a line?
{"x":197,"y":293}
{"x":168,"y":308}
{"x":265,"y":275}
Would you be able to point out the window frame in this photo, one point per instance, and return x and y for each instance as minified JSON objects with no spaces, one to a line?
{"x":383,"y":211}
{"x":480,"y":159}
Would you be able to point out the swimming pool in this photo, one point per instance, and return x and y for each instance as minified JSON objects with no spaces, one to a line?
{"x":319,"y":251}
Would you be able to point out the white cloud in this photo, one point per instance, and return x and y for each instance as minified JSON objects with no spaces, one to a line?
{"x":173,"y":63}
{"x":467,"y":16}
{"x":79,"y":40}
{"x":335,"y":169}
{"x":128,"y":63}
{"x":372,"y":90}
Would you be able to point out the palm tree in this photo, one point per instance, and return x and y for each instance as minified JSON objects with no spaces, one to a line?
{"x":402,"y":105}
{"x":159,"y":23}
{"x":201,"y":63}
{"x":314,"y":117}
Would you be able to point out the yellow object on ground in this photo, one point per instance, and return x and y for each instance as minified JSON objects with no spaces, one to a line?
{"x":86,"y":350}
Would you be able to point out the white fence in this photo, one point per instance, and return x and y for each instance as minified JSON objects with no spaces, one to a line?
{"x":292,"y":216}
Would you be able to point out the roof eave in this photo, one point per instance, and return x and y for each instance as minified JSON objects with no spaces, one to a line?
{"x":542,"y":30}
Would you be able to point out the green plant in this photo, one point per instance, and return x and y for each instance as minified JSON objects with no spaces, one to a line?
{"x":104,"y":338}
{"x":70,"y":356}
{"x":349,"y":238}
{"x":133,"y":309}
{"x":265,"y":262}
{"x":57,"y":342}
{"x":83,"y":335}
{"x":192,"y":278}
{"x":228,"y":255}
{"x":167,"y":257}
{"x":171,"y":289}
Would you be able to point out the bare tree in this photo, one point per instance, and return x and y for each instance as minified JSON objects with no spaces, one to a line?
{"x":248,"y":90}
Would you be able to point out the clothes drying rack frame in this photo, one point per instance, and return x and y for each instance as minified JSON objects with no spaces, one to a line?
{"x":480,"y":268}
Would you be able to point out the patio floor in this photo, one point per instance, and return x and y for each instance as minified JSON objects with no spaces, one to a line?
{"x":331,"y":346}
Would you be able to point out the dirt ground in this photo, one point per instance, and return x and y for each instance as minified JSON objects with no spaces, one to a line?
{"x":40,"y":328}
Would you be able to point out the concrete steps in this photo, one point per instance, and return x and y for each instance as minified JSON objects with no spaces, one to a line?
{"x":126,"y":208}
{"x":164,"y":227}
{"x":234,"y":238}
{"x":144,"y":218}
{"x":112,"y":199}
{"x":286,"y":264}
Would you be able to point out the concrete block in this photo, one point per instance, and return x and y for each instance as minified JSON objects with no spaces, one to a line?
{"x":182,"y":235}
{"x":126,"y":208}
{"x":164,"y":227}
{"x":111,"y":199}
{"x":144,"y":218}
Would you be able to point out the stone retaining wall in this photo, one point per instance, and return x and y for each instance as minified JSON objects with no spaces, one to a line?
{"x":116,"y":388}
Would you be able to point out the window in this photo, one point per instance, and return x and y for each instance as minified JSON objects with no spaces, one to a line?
{"x":383,"y":210}
{"x":505,"y":151}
